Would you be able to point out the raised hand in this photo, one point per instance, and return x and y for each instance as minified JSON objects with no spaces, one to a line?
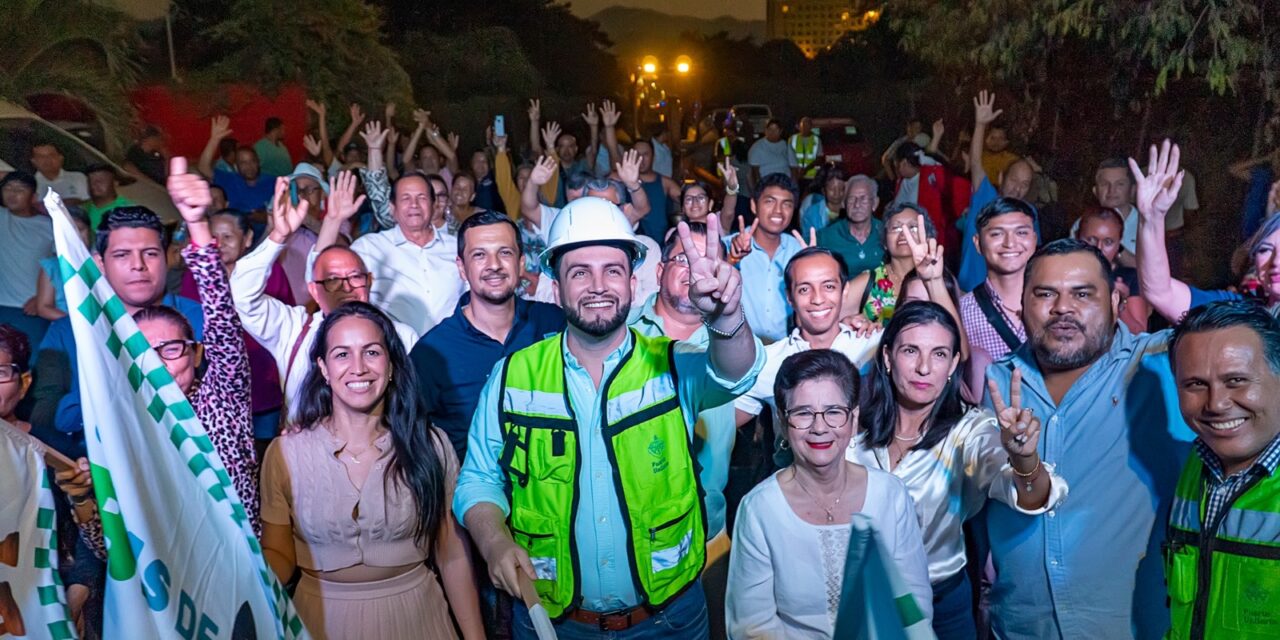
{"x":543,"y":170}
{"x":741,"y":245}
{"x":983,"y":105}
{"x":535,"y":110}
{"x":393,"y":136}
{"x":357,"y":114}
{"x":312,"y":145}
{"x":498,"y":142}
{"x":550,"y":133}
{"x":343,"y":202}
{"x":1019,"y":428}
{"x":219,"y":127}
{"x":1158,"y":189}
{"x":189,"y":191}
{"x":453,"y":141}
{"x":423,"y":118}
{"x":318,"y":107}
{"x":730,"y":175}
{"x":813,"y":238}
{"x":926,"y":252}
{"x":715,"y":287}
{"x":938,"y":128}
{"x":285,"y":216}
{"x":629,"y":169}
{"x":609,"y":114}
{"x":375,"y":136}
{"x":592,"y":118}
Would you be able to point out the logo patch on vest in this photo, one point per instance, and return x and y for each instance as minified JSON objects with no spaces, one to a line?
{"x":658,"y":449}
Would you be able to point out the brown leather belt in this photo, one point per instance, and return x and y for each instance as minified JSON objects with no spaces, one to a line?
{"x":613,"y":620}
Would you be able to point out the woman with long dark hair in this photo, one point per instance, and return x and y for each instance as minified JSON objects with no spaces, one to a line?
{"x":357,"y":497}
{"x":952,"y":456}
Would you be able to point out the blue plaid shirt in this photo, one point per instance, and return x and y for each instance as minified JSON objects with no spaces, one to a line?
{"x":1222,"y":488}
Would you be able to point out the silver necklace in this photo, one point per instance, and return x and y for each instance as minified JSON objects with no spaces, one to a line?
{"x":830,"y":516}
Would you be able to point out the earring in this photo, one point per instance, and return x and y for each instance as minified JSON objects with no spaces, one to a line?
{"x":785,"y":445}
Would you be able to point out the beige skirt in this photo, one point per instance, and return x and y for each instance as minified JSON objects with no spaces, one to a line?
{"x":411,"y":605}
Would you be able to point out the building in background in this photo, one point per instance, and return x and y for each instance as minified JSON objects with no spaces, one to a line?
{"x":815,"y":25}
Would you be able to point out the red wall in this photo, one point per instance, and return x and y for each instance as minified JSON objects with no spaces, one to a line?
{"x":185,"y":116}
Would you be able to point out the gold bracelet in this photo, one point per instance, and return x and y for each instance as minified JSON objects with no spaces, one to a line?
{"x":1025,"y":475}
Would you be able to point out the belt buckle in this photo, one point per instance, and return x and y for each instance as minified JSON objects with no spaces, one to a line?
{"x":619,"y":620}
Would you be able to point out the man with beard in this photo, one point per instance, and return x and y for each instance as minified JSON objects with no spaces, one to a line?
{"x":1090,"y":567}
{"x":490,"y":323}
{"x":579,"y":473}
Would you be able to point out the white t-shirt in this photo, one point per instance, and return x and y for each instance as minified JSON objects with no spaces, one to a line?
{"x":71,"y":185}
{"x":785,"y":575}
{"x":1187,"y":199}
{"x":772,"y":157}
{"x":857,"y":349}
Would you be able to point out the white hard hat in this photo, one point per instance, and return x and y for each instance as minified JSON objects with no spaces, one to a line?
{"x":588,"y":221}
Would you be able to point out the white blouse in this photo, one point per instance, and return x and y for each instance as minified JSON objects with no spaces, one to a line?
{"x":773,"y":592}
{"x":951,"y":481}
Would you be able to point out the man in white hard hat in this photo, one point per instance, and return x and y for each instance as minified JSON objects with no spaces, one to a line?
{"x":579,"y":473}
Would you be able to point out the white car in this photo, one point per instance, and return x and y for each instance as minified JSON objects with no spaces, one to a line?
{"x":19,"y":128}
{"x":758,"y":115}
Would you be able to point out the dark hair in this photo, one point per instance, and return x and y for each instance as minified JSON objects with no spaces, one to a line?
{"x":948,"y":280}
{"x":129,"y":217}
{"x":562,"y":135}
{"x":1102,"y":213}
{"x":908,"y":151}
{"x":273,"y":123}
{"x":21,"y":177}
{"x":247,"y":149}
{"x":696,"y":184}
{"x":432,"y":178}
{"x":1116,"y":162}
{"x":673,"y":239}
{"x":1004,"y":206}
{"x":1225,"y":314}
{"x":773,"y":121}
{"x":17,"y":345}
{"x":814,"y":364}
{"x":1066,"y":246}
{"x":894,"y":209}
{"x":239,"y":217}
{"x":100,"y":166}
{"x":78,"y":214}
{"x":395,"y":186}
{"x":460,"y":174}
{"x":484,"y":219}
{"x":227,"y":146}
{"x":779,"y":180}
{"x":168,"y":314}
{"x":879,"y":415}
{"x":578,"y":180}
{"x":809,"y":252}
{"x":418,"y":459}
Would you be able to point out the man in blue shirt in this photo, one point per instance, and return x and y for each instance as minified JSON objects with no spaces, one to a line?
{"x":592,"y":253}
{"x":762,"y":252}
{"x":247,"y":188}
{"x":454,"y":358}
{"x":1089,"y":568}
{"x":131,"y":254}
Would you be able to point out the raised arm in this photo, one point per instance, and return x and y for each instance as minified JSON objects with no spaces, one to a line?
{"x":326,"y":149}
{"x":504,"y":177}
{"x":219,"y":129}
{"x":609,"y":116}
{"x":1157,"y":192}
{"x":715,"y":289}
{"x":342,"y":205}
{"x":530,"y":208}
{"x":357,"y":118}
{"x":535,"y":123}
{"x":423,"y":118}
{"x":629,"y":173}
{"x":927,"y":253}
{"x":984,"y":114}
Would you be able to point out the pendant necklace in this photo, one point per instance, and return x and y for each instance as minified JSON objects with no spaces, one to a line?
{"x":830,"y":516}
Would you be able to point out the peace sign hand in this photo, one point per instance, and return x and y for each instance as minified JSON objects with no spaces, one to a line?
{"x":813,"y":238}
{"x":926,"y":253}
{"x":715,"y":287}
{"x":741,"y":245}
{"x":1019,"y":428}
{"x":730,"y":175}
{"x":1158,"y":189}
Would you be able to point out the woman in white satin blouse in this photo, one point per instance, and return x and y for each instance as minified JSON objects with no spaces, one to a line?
{"x":952,"y":457}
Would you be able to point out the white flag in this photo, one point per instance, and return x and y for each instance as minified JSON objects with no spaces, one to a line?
{"x":182,"y":559}
{"x":32,"y":602}
{"x":875,"y":602}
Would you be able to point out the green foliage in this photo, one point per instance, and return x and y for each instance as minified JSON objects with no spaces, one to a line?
{"x":79,"y":49}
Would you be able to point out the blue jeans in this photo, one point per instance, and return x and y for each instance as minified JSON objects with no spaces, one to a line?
{"x":953,"y":608}
{"x":685,"y":618}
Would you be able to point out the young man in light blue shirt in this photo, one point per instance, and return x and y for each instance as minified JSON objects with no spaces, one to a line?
{"x":762,"y":252}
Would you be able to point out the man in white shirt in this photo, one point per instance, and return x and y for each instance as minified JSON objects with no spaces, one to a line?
{"x":415,"y":279}
{"x":72,"y":186}
{"x":815,"y":281}
{"x":771,"y":154}
{"x":1114,"y":187}
{"x":338,"y":275}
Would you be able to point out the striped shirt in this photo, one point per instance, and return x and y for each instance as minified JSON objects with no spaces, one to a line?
{"x":1223,"y":489}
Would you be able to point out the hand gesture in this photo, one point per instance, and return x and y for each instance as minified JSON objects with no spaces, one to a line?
{"x":311,"y":144}
{"x":453,"y":141}
{"x":1019,"y":428}
{"x":715,"y":287}
{"x":189,"y":192}
{"x":423,"y":118}
{"x":535,"y":110}
{"x":393,"y":136}
{"x":550,"y":133}
{"x":220,"y":128}
{"x":357,"y":114}
{"x":982,"y":108}
{"x":543,"y":170}
{"x":343,"y":202}
{"x":1158,"y":189}
{"x":741,"y":245}
{"x":285,"y":217}
{"x":592,"y":118}
{"x":926,"y":252}
{"x":938,"y":128}
{"x":375,"y":137}
{"x":318,"y":108}
{"x":76,"y":483}
{"x":730,"y":175}
{"x":629,"y":169}
{"x":609,"y":114}
{"x":862,"y":325}
{"x":813,"y":238}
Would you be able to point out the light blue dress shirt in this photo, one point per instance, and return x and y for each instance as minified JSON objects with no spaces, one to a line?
{"x":764,"y":297}
{"x":600,"y":532}
{"x":1091,"y":567}
{"x":714,"y":434}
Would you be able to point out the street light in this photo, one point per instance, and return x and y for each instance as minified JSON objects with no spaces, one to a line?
{"x":649,"y":64}
{"x":683,"y":64}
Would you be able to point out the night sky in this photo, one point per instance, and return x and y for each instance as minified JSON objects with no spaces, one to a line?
{"x":741,"y":9}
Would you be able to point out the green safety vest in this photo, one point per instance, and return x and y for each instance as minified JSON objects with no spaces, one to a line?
{"x":1224,"y":581}
{"x":654,"y":471}
{"x":806,"y":150}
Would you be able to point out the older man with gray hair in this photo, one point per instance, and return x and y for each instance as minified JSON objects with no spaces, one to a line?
{"x":857,"y":242}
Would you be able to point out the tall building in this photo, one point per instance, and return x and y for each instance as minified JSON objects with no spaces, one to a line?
{"x":815,"y":25}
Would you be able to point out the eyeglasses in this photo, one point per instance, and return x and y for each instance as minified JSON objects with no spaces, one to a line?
{"x":695,"y":199}
{"x":834,"y":417}
{"x":9,"y":372}
{"x":173,"y":349}
{"x":353,"y":281}
{"x":897,"y":228}
{"x":680,"y":259}
{"x":306,"y":191}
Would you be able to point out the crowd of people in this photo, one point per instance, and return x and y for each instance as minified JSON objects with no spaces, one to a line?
{"x":558,"y":372}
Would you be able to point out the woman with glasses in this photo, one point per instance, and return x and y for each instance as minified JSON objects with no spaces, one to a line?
{"x":787,"y":566}
{"x":696,"y":203}
{"x":15,"y":377}
{"x":951,"y":456}
{"x":874,"y":293}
